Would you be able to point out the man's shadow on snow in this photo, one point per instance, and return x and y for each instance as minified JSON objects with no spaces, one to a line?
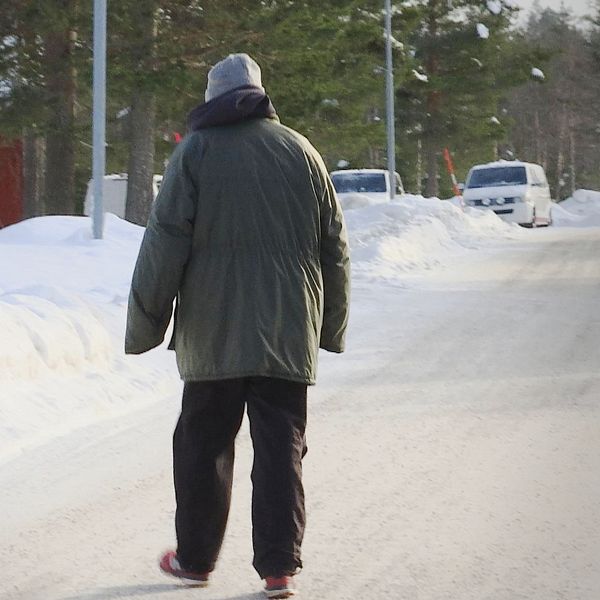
{"x":155,"y":589}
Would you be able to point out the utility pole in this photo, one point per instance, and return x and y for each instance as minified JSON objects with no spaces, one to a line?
{"x":99,"y":118}
{"x":389,"y":87}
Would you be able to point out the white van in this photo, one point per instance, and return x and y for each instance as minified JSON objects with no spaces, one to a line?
{"x":114,"y":194}
{"x":361,"y":187}
{"x":516,"y":191}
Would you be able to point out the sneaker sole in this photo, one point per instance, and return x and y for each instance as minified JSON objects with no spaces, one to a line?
{"x":193,"y":583}
{"x":187,"y":581}
{"x":279,"y":594}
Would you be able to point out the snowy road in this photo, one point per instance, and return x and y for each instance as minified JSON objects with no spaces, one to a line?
{"x":454,"y":453}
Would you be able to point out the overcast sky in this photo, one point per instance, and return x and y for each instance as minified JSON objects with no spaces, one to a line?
{"x":579,"y":7}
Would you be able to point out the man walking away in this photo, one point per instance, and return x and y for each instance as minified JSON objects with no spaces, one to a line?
{"x":248,"y":236}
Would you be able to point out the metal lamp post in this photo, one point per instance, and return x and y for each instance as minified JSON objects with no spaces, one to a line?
{"x":99,"y":116}
{"x":389,"y":88}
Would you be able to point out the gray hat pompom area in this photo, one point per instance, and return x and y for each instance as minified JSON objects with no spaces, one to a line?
{"x":232,"y":72}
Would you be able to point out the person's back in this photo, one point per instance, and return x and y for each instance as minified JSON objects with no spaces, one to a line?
{"x":254,"y":267}
{"x":248,"y":235}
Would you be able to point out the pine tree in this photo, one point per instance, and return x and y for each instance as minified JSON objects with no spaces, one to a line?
{"x":159,"y":56}
{"x":41,"y":55}
{"x":21,"y":88}
{"x":323,"y":66}
{"x":60,"y":73}
{"x":323,"y":69}
{"x":556,"y":120}
{"x":464,"y":59}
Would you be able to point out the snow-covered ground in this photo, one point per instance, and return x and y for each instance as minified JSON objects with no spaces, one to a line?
{"x":453,"y":448}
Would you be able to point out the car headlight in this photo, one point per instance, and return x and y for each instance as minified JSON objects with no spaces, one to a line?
{"x":519,"y":199}
{"x":500,"y":201}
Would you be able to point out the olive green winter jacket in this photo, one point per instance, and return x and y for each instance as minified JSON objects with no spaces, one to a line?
{"x":248,"y":236}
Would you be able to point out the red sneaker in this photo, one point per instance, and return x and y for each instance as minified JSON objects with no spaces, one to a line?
{"x":280,"y":587}
{"x":169,"y":564}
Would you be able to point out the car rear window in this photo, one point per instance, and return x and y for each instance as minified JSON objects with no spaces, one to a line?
{"x":359,"y":182}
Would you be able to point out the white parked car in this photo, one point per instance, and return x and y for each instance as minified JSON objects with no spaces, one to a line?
{"x":114,"y":194}
{"x":361,"y":187}
{"x":516,"y":191}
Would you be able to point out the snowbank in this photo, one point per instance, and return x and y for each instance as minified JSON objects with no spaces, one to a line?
{"x":46,"y":330}
{"x":414,"y":232}
{"x":63,"y":298}
{"x":581,"y":210}
{"x":51,"y":268}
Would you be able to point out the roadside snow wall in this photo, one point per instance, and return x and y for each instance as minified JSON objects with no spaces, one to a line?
{"x":581,"y":210}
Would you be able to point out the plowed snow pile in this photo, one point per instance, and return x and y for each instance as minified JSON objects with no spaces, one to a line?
{"x":581,"y":210}
{"x":413,"y":232}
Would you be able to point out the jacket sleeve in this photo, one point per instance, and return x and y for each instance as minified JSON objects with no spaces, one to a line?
{"x":163,"y":255}
{"x":335,"y":266}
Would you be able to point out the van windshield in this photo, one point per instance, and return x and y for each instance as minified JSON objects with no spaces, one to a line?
{"x":497,"y":176}
{"x":359,"y":182}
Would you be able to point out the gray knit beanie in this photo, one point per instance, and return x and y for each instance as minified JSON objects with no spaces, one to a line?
{"x":232,"y":72}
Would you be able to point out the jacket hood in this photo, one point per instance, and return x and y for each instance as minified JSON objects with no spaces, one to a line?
{"x":246,"y":102}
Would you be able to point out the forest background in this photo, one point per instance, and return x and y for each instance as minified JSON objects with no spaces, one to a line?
{"x":470,"y":76}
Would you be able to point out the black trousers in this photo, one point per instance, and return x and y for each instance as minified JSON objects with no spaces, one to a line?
{"x":203,"y":457}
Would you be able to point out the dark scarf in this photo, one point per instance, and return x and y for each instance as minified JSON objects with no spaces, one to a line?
{"x":247,"y":102}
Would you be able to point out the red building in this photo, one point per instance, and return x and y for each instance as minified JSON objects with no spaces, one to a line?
{"x":11,"y":182}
